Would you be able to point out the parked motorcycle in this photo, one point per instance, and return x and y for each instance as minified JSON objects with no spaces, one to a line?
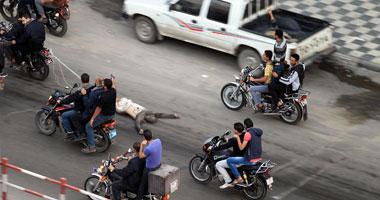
{"x":236,"y":94}
{"x":56,"y":17}
{"x":100,"y":183}
{"x":256,"y":177}
{"x":49,"y":118}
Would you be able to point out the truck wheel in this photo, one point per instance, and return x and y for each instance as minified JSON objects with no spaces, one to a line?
{"x":248,"y":57}
{"x":145,"y":30}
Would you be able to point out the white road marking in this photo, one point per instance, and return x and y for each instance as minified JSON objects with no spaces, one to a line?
{"x":205,"y":76}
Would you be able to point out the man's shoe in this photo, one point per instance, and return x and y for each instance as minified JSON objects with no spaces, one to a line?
{"x":81,"y":137}
{"x":226,"y":185}
{"x":69,"y":137}
{"x":89,"y":150}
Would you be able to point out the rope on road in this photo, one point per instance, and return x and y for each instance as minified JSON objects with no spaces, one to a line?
{"x":60,"y":64}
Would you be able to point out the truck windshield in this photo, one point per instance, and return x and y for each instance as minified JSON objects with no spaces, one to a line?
{"x":255,"y":6}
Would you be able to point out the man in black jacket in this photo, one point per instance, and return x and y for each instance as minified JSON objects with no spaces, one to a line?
{"x":16,"y":30}
{"x":31,"y":40}
{"x":75,"y":97}
{"x":236,"y":152}
{"x":130,"y":174}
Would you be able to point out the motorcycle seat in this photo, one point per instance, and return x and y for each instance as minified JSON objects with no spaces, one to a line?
{"x":251,"y":167}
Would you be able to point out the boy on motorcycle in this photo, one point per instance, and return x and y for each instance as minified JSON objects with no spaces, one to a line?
{"x":236,"y":152}
{"x":252,"y":154}
{"x":129,"y":176}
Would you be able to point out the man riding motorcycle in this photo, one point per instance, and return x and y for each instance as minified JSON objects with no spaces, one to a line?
{"x":40,"y":4}
{"x":90,"y":99}
{"x":236,"y":152}
{"x":128,"y":178}
{"x":291,"y":84}
{"x":75,"y":97}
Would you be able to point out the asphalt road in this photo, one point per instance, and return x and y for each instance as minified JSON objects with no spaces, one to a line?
{"x":333,"y":155}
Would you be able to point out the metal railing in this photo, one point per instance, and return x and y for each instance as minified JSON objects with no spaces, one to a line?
{"x":62,"y":183}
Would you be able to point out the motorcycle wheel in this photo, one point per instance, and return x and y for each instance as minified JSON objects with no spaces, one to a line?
{"x":40,"y":71}
{"x":102,"y":141}
{"x":233,"y":104}
{"x":60,"y":30}
{"x":89,"y":186}
{"x":203,"y":176}
{"x":256,"y":191}
{"x":9,"y":14}
{"x":47,"y":128}
{"x":293,"y":113}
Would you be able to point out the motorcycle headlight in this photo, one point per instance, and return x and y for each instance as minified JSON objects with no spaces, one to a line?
{"x":56,"y":15}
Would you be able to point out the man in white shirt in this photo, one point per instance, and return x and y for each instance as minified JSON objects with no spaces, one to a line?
{"x":139,"y":113}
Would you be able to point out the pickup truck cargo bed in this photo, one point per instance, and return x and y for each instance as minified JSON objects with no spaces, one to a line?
{"x":297,"y":26}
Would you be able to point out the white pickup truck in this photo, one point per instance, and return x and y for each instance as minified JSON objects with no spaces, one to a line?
{"x":238,"y":27}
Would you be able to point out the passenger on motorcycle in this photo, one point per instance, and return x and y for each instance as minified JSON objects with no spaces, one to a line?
{"x":291,"y":84}
{"x":90,"y":98}
{"x":267,"y":57}
{"x":236,"y":152}
{"x":153,"y":155}
{"x":252,"y":154}
{"x":128,"y":178}
{"x":40,"y":4}
{"x":105,"y":110}
{"x":32,"y":39}
{"x":8,"y":33}
{"x":75,"y":97}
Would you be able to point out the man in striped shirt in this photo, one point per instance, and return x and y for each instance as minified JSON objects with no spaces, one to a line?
{"x":280,"y":44}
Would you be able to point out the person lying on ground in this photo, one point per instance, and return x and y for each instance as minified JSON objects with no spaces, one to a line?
{"x":139,"y":113}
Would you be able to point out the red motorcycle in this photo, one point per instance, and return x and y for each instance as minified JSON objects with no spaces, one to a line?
{"x":48,"y":120}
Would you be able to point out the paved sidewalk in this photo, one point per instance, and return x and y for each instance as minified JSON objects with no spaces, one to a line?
{"x":357,"y":24}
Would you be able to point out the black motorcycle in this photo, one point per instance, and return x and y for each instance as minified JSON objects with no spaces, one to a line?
{"x":235,"y":95}
{"x":56,"y":17}
{"x":256,"y":177}
{"x":100,"y":183}
{"x":48,"y":119}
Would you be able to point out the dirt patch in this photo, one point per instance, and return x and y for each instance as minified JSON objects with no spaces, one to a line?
{"x":359,"y":106}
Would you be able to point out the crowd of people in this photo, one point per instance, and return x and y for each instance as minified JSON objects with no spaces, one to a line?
{"x":273,"y":81}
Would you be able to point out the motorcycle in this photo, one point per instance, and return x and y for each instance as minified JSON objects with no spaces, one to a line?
{"x":100,"y":183}
{"x":56,"y":17}
{"x":236,"y":94}
{"x":49,"y":118}
{"x":257,"y":179}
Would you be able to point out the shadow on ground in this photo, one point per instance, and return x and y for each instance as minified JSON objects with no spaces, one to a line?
{"x":361,"y":106}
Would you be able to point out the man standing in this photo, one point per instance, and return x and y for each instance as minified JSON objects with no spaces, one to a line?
{"x":280,"y":44}
{"x":153,"y":155}
{"x":104,"y":111}
{"x":130,"y":175}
